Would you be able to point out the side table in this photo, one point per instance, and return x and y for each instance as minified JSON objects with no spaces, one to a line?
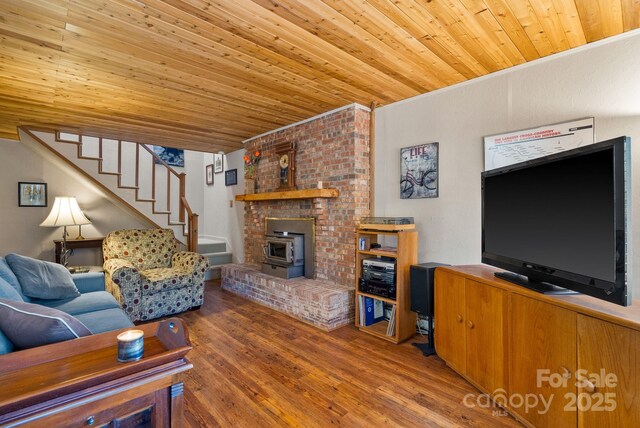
{"x":73,"y":244}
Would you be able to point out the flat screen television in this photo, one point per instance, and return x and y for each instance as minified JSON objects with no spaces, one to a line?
{"x":559,"y":223}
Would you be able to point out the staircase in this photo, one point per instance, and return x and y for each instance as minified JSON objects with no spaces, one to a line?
{"x":217,"y":252}
{"x":131,"y":173}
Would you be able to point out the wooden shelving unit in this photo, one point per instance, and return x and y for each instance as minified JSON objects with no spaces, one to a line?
{"x":290,"y":194}
{"x":404,"y":240}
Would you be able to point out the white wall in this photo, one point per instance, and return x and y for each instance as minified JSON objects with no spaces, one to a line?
{"x":19,"y":226}
{"x":223,"y":216}
{"x":600,"y":80}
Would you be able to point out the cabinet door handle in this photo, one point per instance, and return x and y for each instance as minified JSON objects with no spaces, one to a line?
{"x":564,"y":372}
{"x":90,"y":420}
{"x":470,"y":324}
{"x":459,"y":318}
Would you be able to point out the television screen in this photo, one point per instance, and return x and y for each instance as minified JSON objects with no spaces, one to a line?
{"x":561,"y":219}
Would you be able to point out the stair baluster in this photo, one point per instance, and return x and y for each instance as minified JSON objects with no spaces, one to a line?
{"x":190,"y":226}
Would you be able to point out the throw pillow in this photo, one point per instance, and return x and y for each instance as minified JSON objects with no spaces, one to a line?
{"x":42,"y":280}
{"x":7,"y":274}
{"x":5,"y":344}
{"x":8,"y":292}
{"x":28,"y":325}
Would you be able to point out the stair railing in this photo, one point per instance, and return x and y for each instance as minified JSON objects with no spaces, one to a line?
{"x":190,"y":227}
{"x":184,"y":208}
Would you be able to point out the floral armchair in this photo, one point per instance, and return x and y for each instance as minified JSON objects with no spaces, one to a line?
{"x":149,"y":277}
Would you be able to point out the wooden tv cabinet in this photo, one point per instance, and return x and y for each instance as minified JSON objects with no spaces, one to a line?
{"x":577,"y":353}
{"x":80,"y":383}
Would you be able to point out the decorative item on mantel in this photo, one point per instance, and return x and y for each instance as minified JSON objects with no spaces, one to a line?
{"x":251,"y":160}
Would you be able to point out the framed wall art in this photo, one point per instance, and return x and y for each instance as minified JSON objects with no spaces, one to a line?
{"x":32,"y":194}
{"x":209,"y":174}
{"x":218,"y":162}
{"x":419,"y":171}
{"x":231,"y":177}
{"x":170,"y":156}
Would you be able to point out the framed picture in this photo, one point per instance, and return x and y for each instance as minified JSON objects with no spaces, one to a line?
{"x":218,"y":162}
{"x":231,"y":177}
{"x":32,"y":194}
{"x":170,"y":156}
{"x":209,"y":174}
{"x":419,"y":171}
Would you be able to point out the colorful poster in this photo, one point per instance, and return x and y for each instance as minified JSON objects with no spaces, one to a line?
{"x":419,"y":171}
{"x":519,"y":146}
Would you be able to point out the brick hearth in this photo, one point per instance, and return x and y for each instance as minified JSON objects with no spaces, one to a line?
{"x":324,"y":304}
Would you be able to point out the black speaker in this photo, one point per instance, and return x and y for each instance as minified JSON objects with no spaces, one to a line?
{"x":421,"y":280}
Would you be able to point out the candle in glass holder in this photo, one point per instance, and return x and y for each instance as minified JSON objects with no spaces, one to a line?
{"x":130,"y":345}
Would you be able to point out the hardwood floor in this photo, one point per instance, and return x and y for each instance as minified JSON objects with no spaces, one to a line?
{"x":255,"y":367}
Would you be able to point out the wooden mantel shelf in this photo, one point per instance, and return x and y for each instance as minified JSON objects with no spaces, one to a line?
{"x":291,"y":194}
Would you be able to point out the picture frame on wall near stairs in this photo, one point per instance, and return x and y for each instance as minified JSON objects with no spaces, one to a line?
{"x":218,"y":163}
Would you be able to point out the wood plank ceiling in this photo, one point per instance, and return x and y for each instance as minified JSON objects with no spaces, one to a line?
{"x":207,"y":74}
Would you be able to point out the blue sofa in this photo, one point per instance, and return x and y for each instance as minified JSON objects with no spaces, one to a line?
{"x":95,"y":308}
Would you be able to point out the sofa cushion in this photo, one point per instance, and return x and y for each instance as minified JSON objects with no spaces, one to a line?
{"x":8,"y":292}
{"x":7,"y":274}
{"x":88,"y":282}
{"x":105,"y":320}
{"x":87,"y":302}
{"x":28,"y":325}
{"x":42,"y":280}
{"x":163,"y":279}
{"x":6,"y":345}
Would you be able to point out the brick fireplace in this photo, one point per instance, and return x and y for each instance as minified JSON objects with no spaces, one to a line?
{"x":332,"y":148}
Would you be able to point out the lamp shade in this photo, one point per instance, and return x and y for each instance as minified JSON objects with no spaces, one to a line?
{"x":65,"y":212}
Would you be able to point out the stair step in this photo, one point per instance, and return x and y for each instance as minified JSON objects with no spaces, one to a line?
{"x":211,"y":245}
{"x":109,"y":173}
{"x":145,"y":200}
{"x":89,"y":158}
{"x":161,"y":212}
{"x":221,"y":258}
{"x":128,"y":187}
{"x":177,"y":223}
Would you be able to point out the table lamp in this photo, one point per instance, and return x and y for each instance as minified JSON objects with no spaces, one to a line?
{"x":65,"y":212}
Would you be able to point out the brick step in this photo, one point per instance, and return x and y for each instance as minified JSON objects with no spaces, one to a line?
{"x":323,"y":304}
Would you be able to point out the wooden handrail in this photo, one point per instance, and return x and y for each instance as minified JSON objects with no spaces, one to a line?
{"x":192,"y":226}
{"x":187,"y":207}
{"x":183,"y":195}
{"x":190,"y":218}
{"x":159,"y":159}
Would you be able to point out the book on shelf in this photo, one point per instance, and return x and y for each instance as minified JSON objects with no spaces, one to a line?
{"x":374,"y":311}
{"x":391,"y":328}
{"x":371,"y":310}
